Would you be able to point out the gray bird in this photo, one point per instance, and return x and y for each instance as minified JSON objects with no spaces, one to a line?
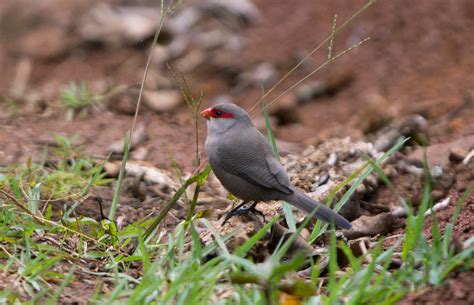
{"x":243,"y":161}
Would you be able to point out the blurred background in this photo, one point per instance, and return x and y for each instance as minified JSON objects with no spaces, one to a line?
{"x":74,"y":68}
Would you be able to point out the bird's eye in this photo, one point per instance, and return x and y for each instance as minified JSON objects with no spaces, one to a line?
{"x":218,"y":113}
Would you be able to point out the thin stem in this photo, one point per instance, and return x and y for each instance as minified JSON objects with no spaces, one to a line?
{"x":327,"y":62}
{"x":148,"y":61}
{"x":342,"y":26}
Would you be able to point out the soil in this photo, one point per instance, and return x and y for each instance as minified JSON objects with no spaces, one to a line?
{"x":419,"y":60}
{"x":456,"y":290}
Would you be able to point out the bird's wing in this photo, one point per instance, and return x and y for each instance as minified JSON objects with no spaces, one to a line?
{"x":252,"y":159}
{"x":278,"y":171}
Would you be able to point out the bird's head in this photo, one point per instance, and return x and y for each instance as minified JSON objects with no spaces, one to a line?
{"x":224,"y":116}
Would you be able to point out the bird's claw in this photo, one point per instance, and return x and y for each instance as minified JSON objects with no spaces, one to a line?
{"x":241,"y":209}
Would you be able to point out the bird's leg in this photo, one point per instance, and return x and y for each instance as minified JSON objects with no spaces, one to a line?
{"x":253,"y":208}
{"x":233,"y":212}
{"x":241,"y":209}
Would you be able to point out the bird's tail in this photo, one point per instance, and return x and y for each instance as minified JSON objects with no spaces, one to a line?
{"x":303,"y":202}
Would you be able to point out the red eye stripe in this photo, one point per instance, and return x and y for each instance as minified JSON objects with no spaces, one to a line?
{"x":219,"y":114}
{"x":216,"y":114}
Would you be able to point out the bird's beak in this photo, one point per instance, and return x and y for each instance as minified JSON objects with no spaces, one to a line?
{"x":206,"y":113}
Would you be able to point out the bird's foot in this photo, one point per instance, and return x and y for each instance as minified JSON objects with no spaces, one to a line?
{"x":241,"y":209}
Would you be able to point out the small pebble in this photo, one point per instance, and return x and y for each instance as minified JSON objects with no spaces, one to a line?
{"x":436,"y":171}
{"x":162,"y":100}
{"x":112,"y":169}
{"x":457,"y":154}
{"x":361,"y":189}
{"x":399,"y":212}
{"x":332,"y":159}
{"x":323,"y":180}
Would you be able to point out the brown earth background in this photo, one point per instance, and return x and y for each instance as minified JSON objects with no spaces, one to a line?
{"x":419,"y":60}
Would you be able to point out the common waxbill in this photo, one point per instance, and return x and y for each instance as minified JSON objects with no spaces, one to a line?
{"x":244,"y":163}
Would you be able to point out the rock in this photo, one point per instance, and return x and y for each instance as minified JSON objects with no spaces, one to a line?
{"x":387,"y":136}
{"x":457,"y":125}
{"x":260,"y":124}
{"x":183,"y":21}
{"x":139,"y":136}
{"x":299,"y":245}
{"x":404,"y":166}
{"x":371,"y":226}
{"x":151,"y":174}
{"x":214,"y":39}
{"x":162,"y":100}
{"x":125,"y":103}
{"x":307,"y":92}
{"x":457,"y":154}
{"x":21,"y":77}
{"x":376,"y":113}
{"x":438,"y":154}
{"x":139,"y":154}
{"x":264,"y":73}
{"x":431,"y":108}
{"x":46,"y":42}
{"x":360,"y":246}
{"x":112,"y":169}
{"x":469,"y":157}
{"x":191,"y":61}
{"x":443,"y":204}
{"x":233,"y":13}
{"x":178,"y":46}
{"x":118,"y":26}
{"x":332,"y":159}
{"x":220,"y":99}
{"x":241,"y":228}
{"x":436,"y":171}
{"x":440,"y":185}
{"x":351,"y":210}
{"x":156,"y":80}
{"x":400,"y":212}
{"x":286,"y":148}
{"x":160,"y":55}
{"x":320,"y":88}
{"x":339,"y":81}
{"x":285,"y":109}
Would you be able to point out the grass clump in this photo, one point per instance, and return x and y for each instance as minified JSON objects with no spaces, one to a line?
{"x":175,"y":267}
{"x":65,"y":171}
{"x":78,"y":98}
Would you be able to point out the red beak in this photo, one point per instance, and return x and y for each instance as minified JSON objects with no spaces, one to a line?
{"x":206,"y":113}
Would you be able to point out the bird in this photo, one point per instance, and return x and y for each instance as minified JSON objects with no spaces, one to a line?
{"x":243,"y":161}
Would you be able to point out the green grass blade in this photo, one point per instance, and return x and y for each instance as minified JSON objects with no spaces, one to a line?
{"x":15,"y":187}
{"x":367,"y":275}
{"x":278,"y":255}
{"x":116,"y":198}
{"x":60,"y":290}
{"x":192,"y":207}
{"x":320,"y":228}
{"x":290,"y":219}
{"x":333,"y":267}
{"x":201,"y":176}
{"x":217,"y":236}
{"x":353,"y":261}
{"x":416,"y":226}
{"x":461,"y":201}
{"x":448,"y":232}
{"x":243,"y":250}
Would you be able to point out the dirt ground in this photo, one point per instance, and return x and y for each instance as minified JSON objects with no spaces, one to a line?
{"x":419,"y":60}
